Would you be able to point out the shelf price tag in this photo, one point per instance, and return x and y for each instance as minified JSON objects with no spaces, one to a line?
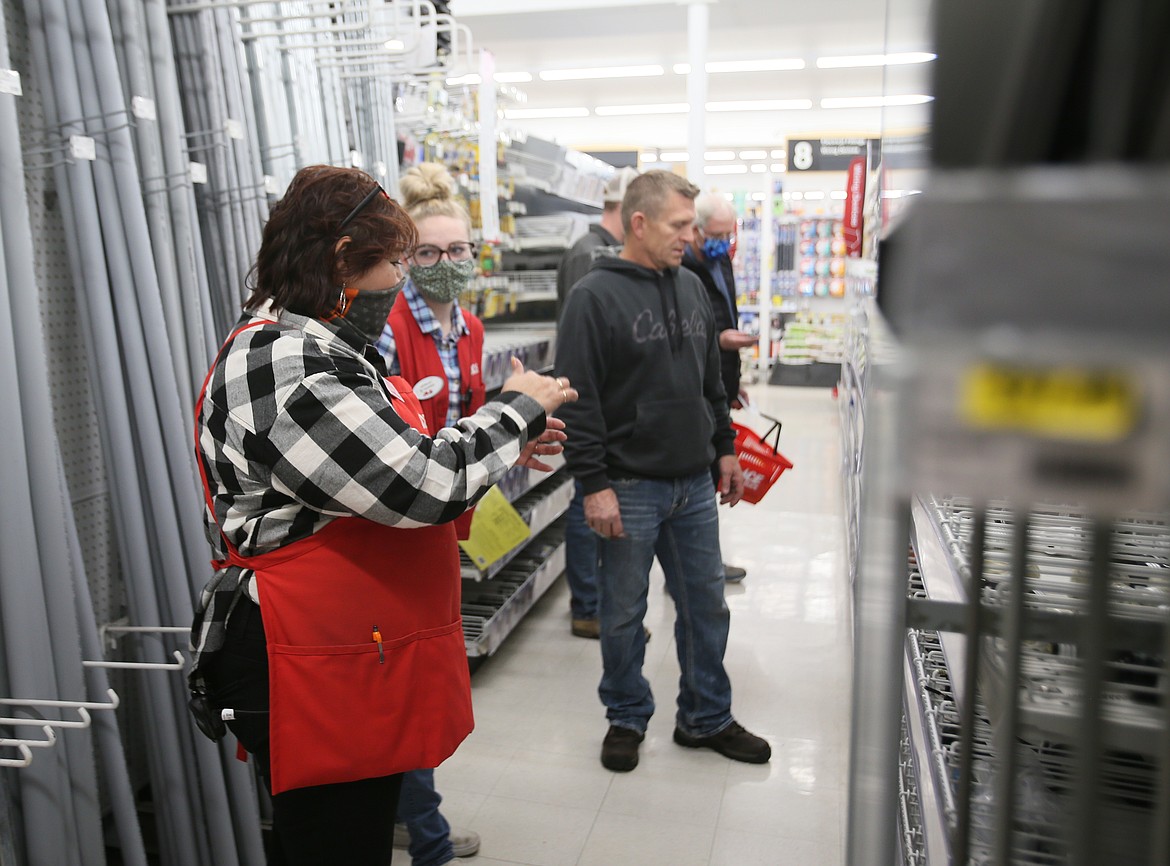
{"x":1066,"y":403}
{"x":496,"y":529}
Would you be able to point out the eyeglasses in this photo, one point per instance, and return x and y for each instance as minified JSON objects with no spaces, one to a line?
{"x":428,"y":256}
{"x":361,"y":205}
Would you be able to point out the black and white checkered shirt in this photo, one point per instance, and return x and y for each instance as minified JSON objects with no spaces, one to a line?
{"x":297,"y":429}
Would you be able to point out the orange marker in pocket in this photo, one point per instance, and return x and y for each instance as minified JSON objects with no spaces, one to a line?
{"x":378,"y":640}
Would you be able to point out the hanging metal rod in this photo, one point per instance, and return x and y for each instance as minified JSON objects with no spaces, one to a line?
{"x":244,"y":4}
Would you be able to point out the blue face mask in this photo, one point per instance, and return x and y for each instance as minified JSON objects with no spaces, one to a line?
{"x":715,"y":249}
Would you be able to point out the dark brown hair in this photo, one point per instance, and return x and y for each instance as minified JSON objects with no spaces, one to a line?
{"x":297,"y":268}
{"x":649,"y":192}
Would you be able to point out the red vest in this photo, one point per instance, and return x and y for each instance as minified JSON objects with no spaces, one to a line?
{"x":418,"y":359}
{"x":368,"y":670}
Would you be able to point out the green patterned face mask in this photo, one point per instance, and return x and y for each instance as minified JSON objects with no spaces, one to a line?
{"x":443,"y":281}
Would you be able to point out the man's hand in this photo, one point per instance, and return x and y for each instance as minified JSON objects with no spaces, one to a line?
{"x":732,"y":340}
{"x":604,"y":516}
{"x":730,"y":480}
{"x":742,"y":401}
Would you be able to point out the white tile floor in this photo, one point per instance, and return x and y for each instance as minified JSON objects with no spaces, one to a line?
{"x":529,"y":778}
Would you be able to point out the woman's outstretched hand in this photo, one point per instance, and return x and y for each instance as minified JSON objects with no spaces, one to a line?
{"x":549,"y":392}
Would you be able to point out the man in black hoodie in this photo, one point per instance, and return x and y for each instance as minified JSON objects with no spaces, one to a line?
{"x":708,"y":257}
{"x":638,"y":341}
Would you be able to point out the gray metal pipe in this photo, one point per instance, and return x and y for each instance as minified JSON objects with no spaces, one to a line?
{"x":50,"y":816}
{"x":49,"y":504}
{"x":89,"y":257}
{"x":194,"y":290}
{"x":150,"y":162}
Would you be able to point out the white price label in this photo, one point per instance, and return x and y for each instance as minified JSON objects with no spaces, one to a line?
{"x":10,"y":82}
{"x":234,"y":129}
{"x":271,"y":185}
{"x":356,"y":159}
{"x":198,"y":172}
{"x":82,"y":147}
{"x":143,"y":108}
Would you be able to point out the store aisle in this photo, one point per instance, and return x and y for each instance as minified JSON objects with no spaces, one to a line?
{"x":529,"y":779}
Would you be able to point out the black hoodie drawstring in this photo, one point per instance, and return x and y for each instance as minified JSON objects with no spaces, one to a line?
{"x":669,"y":300}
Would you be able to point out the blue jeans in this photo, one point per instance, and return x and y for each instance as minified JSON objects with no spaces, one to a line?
{"x":418,"y":809}
{"x":582,"y":550}
{"x":676,"y":520}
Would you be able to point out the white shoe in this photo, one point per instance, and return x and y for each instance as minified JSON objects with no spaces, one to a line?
{"x":464,"y":843}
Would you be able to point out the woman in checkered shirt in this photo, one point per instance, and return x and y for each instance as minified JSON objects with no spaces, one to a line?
{"x":331,"y":628}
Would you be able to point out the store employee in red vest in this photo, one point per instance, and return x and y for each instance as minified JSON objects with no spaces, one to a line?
{"x":437,"y":347}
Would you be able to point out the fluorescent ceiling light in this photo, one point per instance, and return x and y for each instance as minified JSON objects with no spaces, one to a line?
{"x":674,"y":156}
{"x":797,"y":196}
{"x":533,"y":113}
{"x":754,"y":65}
{"x":777,"y":168}
{"x":729,"y":196}
{"x":778,"y":154}
{"x":854,"y":60}
{"x":757,"y":196}
{"x":874,"y":101}
{"x":838,"y":194}
{"x":601,"y":72}
{"x":513,"y":77}
{"x":761,"y":105}
{"x":394,"y":45}
{"x":648,"y":156}
{"x":460,"y":80}
{"x":719,"y":155}
{"x":814,"y":195}
{"x":717,"y":66}
{"x":759,"y":168}
{"x":726,"y":169}
{"x":649,"y":108}
{"x":753,"y":154}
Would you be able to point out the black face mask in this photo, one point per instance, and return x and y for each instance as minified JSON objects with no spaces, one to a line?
{"x":367,"y":311}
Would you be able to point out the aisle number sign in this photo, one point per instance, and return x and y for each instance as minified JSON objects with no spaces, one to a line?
{"x":496,"y":529}
{"x":1061,"y":403}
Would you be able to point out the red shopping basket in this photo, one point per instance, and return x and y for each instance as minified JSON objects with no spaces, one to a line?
{"x":761,"y":460}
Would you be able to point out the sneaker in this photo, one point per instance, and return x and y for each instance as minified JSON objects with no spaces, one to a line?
{"x":619,"y":749}
{"x":464,"y":843}
{"x":591,"y":628}
{"x":733,"y":573}
{"x":733,"y":742}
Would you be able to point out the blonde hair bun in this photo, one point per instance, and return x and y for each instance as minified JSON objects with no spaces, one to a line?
{"x":428,"y":190}
{"x":428,"y":181}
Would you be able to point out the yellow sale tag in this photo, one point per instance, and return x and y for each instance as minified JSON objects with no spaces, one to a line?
{"x":1056,"y":403}
{"x":496,"y":528}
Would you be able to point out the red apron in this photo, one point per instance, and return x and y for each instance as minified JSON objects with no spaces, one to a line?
{"x":368,"y":671}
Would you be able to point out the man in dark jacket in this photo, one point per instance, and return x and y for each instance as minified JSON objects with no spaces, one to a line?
{"x":581,"y":545}
{"x":708,"y":257}
{"x":638,"y":342}
{"x":600,"y":238}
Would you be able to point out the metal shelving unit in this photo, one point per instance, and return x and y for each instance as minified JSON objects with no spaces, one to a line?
{"x":1011,"y":692}
{"x":496,"y":599}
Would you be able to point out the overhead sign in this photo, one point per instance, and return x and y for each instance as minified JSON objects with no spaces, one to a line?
{"x":829,"y":154}
{"x":854,"y":205}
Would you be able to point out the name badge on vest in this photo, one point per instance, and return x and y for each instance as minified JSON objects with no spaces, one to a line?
{"x":427,"y":388}
{"x":474,"y":368}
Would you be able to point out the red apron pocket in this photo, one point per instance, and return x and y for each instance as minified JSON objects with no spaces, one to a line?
{"x":342,"y":713}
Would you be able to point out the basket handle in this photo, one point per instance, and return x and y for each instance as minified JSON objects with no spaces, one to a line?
{"x":773,"y":432}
